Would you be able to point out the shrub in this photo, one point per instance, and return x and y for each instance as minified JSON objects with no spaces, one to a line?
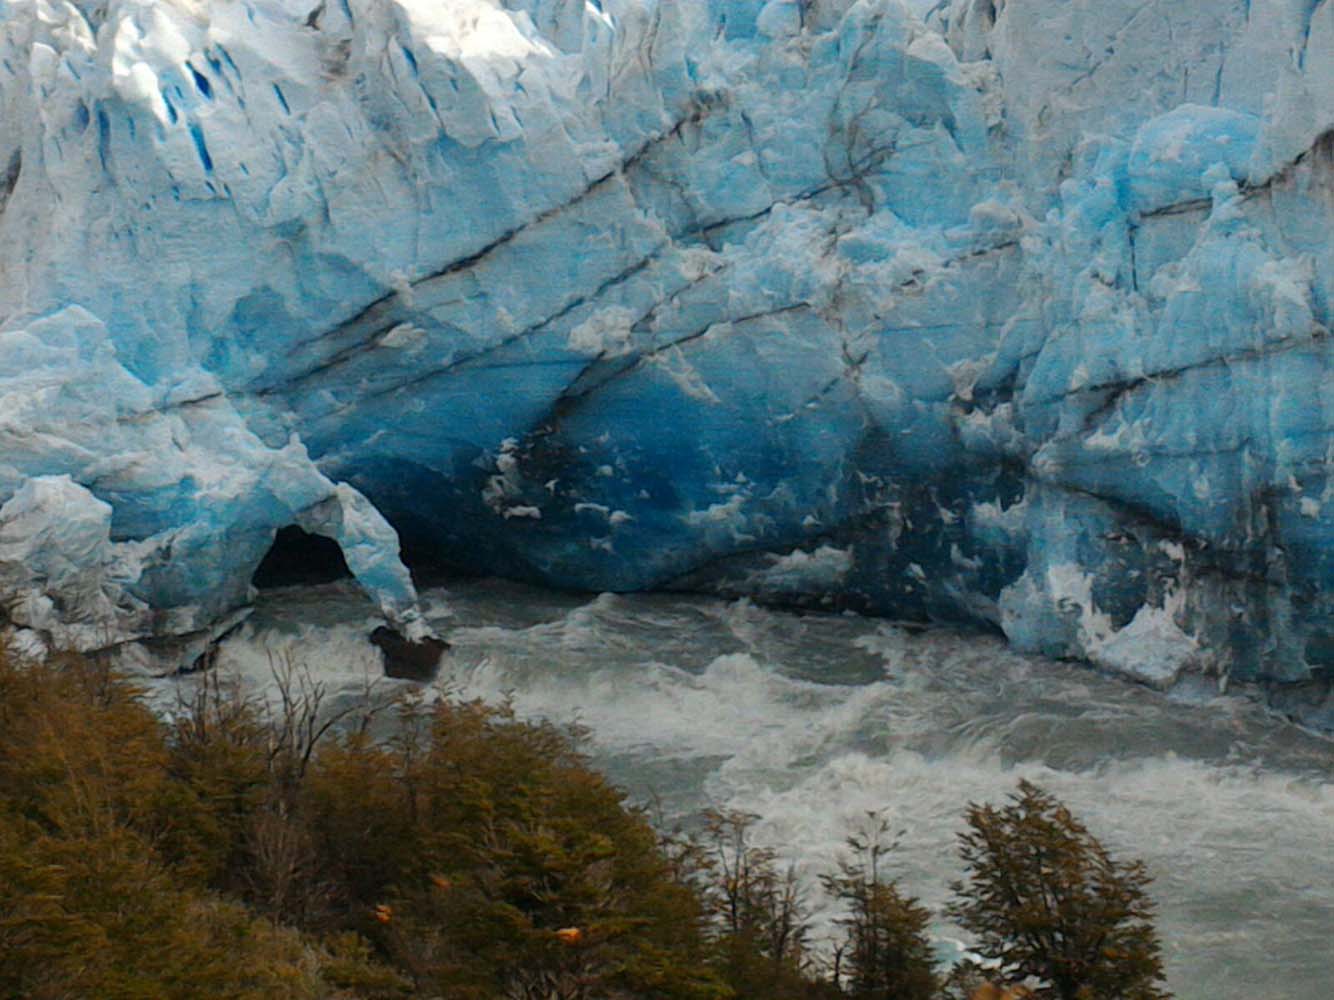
{"x":88,"y":906}
{"x":1045,"y":899}
{"x":502,"y":865}
{"x":760,"y":916}
{"x":885,"y":954}
{"x":78,"y":754}
{"x":248,"y":851}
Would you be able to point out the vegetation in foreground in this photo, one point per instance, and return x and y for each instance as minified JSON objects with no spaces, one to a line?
{"x":240,"y":851}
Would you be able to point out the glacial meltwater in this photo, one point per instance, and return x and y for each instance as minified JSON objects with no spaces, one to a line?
{"x":809,"y":721}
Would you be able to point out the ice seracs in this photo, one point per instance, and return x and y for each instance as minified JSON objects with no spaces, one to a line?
{"x":1017,"y":311}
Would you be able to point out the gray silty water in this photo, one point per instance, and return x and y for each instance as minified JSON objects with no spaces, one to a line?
{"x":810,"y":721}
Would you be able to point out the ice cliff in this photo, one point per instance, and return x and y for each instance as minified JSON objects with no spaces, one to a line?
{"x":1006,"y":312}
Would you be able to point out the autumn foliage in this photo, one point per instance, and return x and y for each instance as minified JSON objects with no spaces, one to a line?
{"x":225,"y":854}
{"x":395,"y":848}
{"x":1047,"y":902}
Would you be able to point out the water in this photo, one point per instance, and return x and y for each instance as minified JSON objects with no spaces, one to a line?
{"x":810,"y":721}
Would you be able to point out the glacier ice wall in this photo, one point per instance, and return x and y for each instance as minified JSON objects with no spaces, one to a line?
{"x":1013,"y":313}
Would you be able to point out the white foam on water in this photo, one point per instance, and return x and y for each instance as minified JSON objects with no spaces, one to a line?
{"x":316,"y":637}
{"x":810,"y":723}
{"x":735,"y":708}
{"x":1242,"y":861}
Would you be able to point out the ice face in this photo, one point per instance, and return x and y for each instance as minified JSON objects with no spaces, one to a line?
{"x":1005,"y":313}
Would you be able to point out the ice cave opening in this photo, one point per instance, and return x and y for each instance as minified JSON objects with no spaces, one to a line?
{"x":300,"y":558}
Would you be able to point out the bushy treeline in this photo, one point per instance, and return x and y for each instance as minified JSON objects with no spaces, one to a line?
{"x":243,"y":850}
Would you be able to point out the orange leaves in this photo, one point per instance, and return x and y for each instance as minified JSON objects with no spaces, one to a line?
{"x":570,"y":935}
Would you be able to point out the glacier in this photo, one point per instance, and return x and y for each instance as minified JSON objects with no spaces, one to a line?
{"x":1014,"y":314}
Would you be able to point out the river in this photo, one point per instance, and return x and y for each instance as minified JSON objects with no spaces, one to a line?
{"x":810,"y":721}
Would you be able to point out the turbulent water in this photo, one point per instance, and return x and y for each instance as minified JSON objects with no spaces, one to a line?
{"x":810,"y":721}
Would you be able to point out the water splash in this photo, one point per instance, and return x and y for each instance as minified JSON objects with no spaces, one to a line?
{"x":810,"y":721}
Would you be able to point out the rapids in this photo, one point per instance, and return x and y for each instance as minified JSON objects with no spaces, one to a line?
{"x":809,"y":721}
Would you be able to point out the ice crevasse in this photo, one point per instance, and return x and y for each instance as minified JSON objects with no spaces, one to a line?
{"x":1012,"y":313}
